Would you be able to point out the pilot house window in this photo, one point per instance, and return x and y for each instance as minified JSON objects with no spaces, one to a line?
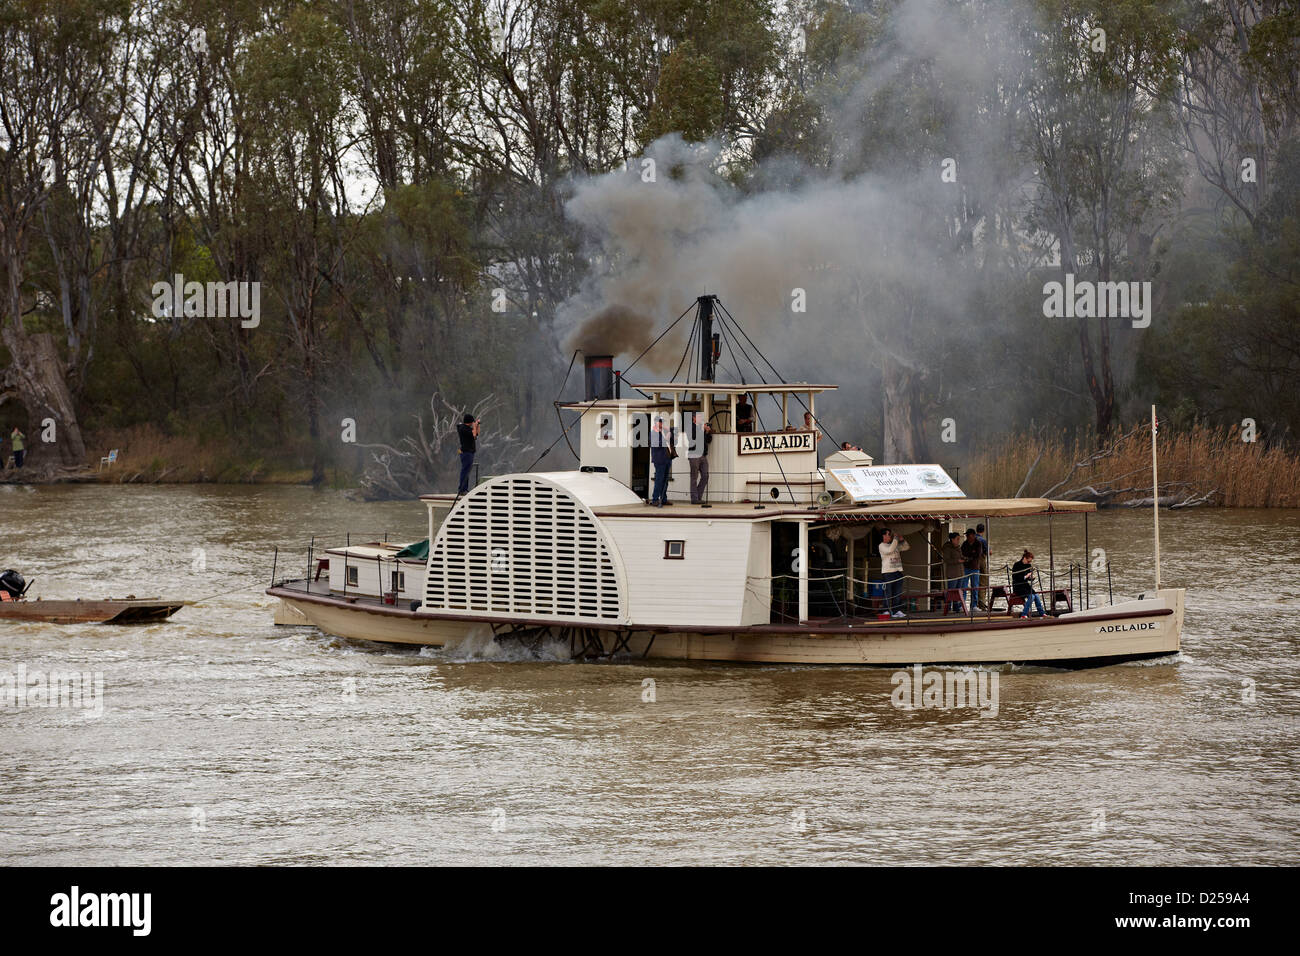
{"x":675,"y":549}
{"x":353,"y":576}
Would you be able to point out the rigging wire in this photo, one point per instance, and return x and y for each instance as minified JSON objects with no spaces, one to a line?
{"x":760,"y":354}
{"x":591,"y":402}
{"x":656,"y":341}
{"x":559,"y":420}
{"x":784,"y":478}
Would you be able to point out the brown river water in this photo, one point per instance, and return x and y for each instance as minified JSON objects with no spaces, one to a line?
{"x":224,"y":739}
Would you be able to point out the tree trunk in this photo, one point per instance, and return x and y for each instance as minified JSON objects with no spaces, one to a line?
{"x":36,"y":376}
{"x":904,"y":437}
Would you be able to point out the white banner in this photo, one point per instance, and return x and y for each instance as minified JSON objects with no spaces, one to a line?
{"x":890,"y":482}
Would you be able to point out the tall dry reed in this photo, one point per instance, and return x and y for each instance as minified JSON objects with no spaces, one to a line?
{"x":1196,"y":461}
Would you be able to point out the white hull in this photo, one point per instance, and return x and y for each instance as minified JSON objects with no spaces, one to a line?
{"x":1136,"y":629}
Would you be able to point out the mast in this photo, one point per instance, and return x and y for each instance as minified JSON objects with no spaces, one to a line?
{"x":1155,"y":492}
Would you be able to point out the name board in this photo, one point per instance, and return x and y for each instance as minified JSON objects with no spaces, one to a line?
{"x":890,"y":482}
{"x":776,"y":442}
{"x":1125,"y":628}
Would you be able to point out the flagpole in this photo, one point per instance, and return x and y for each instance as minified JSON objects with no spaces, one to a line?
{"x":1155,"y":492}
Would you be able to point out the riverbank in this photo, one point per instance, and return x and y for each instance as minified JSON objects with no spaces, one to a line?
{"x":1199,"y":464}
{"x":145,"y":454}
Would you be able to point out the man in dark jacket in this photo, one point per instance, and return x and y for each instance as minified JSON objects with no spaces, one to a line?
{"x":1022,"y":583}
{"x":982,"y":537}
{"x":467,"y":431}
{"x":970,"y":559}
{"x":953,"y":570}
{"x":662,"y":442}
{"x":744,"y":414}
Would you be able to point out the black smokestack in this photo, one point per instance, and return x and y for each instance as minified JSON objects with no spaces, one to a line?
{"x":705,"y":317}
{"x":599,"y":376}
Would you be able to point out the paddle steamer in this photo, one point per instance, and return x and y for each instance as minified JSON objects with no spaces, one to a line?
{"x":777,"y":564}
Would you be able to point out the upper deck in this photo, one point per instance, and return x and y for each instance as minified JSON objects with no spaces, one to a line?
{"x":764,"y":445}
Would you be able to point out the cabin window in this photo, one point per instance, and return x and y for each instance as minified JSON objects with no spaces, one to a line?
{"x":353,"y":576}
{"x":675,"y":550}
{"x":399,"y":581}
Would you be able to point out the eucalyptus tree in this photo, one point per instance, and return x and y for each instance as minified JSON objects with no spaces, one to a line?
{"x":1100,"y":123}
{"x":295,"y":89}
{"x":56,"y":67}
{"x":1239,"y":94}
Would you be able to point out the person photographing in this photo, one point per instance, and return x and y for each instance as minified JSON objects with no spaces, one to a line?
{"x":891,"y":550}
{"x":467,"y":431}
{"x":1022,"y":584}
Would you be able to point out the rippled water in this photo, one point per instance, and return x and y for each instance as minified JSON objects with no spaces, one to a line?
{"x":224,"y":739}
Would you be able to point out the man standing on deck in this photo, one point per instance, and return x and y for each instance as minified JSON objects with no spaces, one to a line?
{"x":662,"y":454}
{"x":970,"y":556}
{"x":953,"y":572}
{"x":982,"y":537}
{"x":744,"y":414}
{"x":467,"y":431}
{"x":697,"y":455}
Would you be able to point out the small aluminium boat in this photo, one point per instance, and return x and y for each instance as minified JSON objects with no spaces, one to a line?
{"x":14,"y":606}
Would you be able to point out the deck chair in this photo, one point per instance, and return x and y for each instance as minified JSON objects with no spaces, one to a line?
{"x":1062,"y":596}
{"x":1004,"y":592}
{"x":954,"y":596}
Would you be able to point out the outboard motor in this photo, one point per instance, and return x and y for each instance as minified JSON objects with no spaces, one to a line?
{"x":13,"y":584}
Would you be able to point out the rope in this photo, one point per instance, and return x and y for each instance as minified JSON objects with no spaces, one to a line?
{"x":573,"y":358}
{"x":656,"y":341}
{"x":209,"y":597}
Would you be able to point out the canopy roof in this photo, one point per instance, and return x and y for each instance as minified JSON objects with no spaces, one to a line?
{"x":912,"y":509}
{"x":922,"y":508}
{"x":716,"y":388}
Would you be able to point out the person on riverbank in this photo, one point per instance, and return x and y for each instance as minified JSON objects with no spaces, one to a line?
{"x":16,"y":442}
{"x":970,"y":559}
{"x":953,"y":571}
{"x":467,"y":431}
{"x":1022,"y":584}
{"x":891,"y":571}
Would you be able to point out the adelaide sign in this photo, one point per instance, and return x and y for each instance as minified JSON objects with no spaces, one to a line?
{"x":776,"y":442}
{"x":893,"y":482}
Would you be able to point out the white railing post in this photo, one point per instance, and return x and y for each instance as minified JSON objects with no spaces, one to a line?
{"x":1155,"y":493}
{"x":803,"y":571}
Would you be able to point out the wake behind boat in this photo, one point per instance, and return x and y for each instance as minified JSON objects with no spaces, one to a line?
{"x":779,"y":561}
